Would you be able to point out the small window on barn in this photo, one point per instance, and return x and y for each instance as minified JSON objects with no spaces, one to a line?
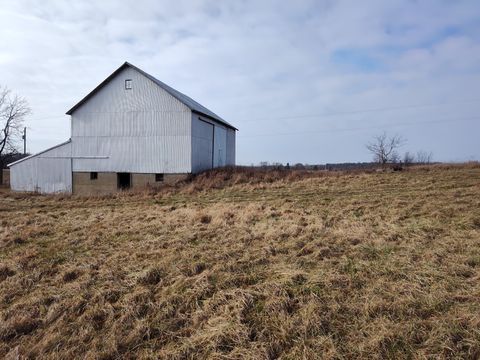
{"x":158,"y":177}
{"x":93,"y":175}
{"x":128,"y":84}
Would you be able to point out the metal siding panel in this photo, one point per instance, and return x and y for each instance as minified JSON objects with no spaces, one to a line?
{"x":153,"y":154}
{"x":202,"y":144}
{"x":64,"y":150}
{"x":220,"y":146}
{"x":23,"y":176}
{"x":140,"y":130}
{"x":54,"y":175}
{"x":224,"y":143}
{"x":47,"y":172}
{"x":231,"y":147}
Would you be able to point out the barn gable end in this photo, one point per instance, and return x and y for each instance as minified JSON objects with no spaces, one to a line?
{"x":139,"y":130}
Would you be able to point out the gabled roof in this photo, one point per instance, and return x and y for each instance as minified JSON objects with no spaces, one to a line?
{"x":186,"y":100}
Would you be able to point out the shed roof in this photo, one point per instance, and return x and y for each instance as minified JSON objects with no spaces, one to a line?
{"x":188,"y":101}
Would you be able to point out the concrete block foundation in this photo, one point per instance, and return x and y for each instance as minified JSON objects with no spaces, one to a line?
{"x":106,"y":182}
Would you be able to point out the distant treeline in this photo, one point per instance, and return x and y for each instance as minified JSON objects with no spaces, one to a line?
{"x":330,"y":167}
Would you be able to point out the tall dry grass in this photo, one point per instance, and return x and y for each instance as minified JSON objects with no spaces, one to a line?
{"x":248,"y":265}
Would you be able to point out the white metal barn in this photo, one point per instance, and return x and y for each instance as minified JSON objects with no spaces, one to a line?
{"x":132,"y":130}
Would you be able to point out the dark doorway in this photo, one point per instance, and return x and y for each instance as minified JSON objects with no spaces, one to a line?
{"x":123,"y":180}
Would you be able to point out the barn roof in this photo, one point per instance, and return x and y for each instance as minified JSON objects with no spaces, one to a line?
{"x":186,"y":100}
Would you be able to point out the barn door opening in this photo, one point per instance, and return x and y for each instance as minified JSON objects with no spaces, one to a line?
{"x":124,"y":181}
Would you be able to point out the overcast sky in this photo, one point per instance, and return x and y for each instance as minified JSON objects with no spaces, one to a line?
{"x":304,"y":81}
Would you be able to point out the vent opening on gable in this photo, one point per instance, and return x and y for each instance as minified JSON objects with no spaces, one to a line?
{"x":128,"y":84}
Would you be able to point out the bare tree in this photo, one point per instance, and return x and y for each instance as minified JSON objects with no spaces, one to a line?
{"x":13,"y":110}
{"x":384,"y":148}
{"x":424,"y":157}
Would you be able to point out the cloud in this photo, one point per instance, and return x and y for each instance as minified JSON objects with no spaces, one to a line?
{"x":255,"y":63}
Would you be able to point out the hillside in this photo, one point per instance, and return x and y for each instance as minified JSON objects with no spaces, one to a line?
{"x":248,"y":265}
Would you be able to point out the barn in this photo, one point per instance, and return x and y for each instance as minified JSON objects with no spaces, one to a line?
{"x":131,"y":131}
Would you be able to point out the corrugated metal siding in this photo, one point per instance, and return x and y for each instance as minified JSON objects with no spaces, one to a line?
{"x":47,"y":172}
{"x":54,"y":175}
{"x":202,"y":144}
{"x":23,"y":176}
{"x":223,"y":144}
{"x":220,"y":146}
{"x":144,"y":129}
{"x":231,"y":147}
{"x":147,"y":154}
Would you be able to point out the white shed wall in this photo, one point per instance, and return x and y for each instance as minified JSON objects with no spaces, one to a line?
{"x":23,"y":176}
{"x":143,"y":130}
{"x":46,"y":172}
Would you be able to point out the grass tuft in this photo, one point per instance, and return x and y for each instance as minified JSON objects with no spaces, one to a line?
{"x":153,"y":276}
{"x":71,"y":275}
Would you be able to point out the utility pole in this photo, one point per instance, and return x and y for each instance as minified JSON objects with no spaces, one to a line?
{"x":24,"y":137}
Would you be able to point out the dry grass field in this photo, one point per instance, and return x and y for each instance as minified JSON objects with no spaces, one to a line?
{"x":240,"y":265}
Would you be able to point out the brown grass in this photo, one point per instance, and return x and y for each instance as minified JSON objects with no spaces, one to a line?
{"x":248,"y":265}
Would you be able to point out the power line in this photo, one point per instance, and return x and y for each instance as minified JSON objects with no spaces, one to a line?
{"x":344,"y":129}
{"x":46,"y":118}
{"x":342,"y":113}
{"x":359,"y":111}
{"x":362,"y":128}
